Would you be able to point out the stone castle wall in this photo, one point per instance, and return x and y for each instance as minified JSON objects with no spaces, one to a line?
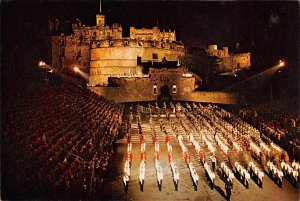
{"x":219,"y":97}
{"x":68,"y":52}
{"x":241,"y":61}
{"x":232,"y":61}
{"x":152,"y":34}
{"x":150,"y":88}
{"x":111,"y":61}
{"x":136,"y":93}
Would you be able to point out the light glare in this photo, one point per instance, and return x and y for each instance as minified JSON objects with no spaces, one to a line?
{"x":42,"y":63}
{"x":76,"y":69}
{"x":281,"y":63}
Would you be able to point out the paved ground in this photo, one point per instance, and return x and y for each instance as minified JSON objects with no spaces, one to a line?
{"x":113,"y":188}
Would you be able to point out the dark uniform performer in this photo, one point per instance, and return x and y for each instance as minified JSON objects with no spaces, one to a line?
{"x":228,"y":187}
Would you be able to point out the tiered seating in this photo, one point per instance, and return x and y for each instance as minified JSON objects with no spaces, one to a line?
{"x":51,"y":133}
{"x":279,"y":121}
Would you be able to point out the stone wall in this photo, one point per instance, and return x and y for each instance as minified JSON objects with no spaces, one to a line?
{"x":56,"y":52}
{"x":123,"y":95}
{"x":68,"y":52}
{"x":241,"y":60}
{"x":134,"y":94}
{"x":214,"y":97}
{"x":111,"y":61}
{"x":152,"y":34}
{"x":110,"y":55}
{"x":143,"y":88}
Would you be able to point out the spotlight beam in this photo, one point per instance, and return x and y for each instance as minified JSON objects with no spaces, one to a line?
{"x":42,"y":65}
{"x":81,"y":73}
{"x":266,"y":72}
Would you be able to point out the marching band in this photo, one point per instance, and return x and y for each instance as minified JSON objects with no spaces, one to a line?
{"x":204,"y":122}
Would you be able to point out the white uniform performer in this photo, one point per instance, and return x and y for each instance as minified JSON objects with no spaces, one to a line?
{"x":126,"y":182}
{"x":260,"y":178}
{"x":175,"y":174}
{"x":246,"y":177}
{"x":160,"y":176}
{"x":295,"y":176}
{"x":176,"y":177}
{"x":142,"y":175}
{"x":194,"y":174}
{"x":211,"y":176}
{"x":280,"y":177}
{"x":127,"y":168}
{"x":283,"y":167}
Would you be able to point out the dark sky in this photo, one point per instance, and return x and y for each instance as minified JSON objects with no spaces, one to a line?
{"x":272,"y":27}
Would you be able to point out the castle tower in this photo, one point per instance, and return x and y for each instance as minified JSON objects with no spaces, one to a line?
{"x":100,"y":18}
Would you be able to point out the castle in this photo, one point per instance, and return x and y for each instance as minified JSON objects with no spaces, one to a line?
{"x":104,"y":52}
{"x":115,"y":63}
{"x":233,"y":62}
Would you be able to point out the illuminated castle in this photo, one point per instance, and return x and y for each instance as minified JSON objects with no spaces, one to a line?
{"x":117,"y":61}
{"x":104,"y":52}
{"x":232,"y":61}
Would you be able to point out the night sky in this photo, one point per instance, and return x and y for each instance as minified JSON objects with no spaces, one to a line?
{"x":270,"y":30}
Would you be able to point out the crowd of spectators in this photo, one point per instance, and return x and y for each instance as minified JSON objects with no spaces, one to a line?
{"x":51,"y":136}
{"x":279,"y":121}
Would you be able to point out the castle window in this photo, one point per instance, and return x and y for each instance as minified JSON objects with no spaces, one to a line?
{"x":163,"y":45}
{"x":174,"y":89}
{"x":126,"y":43}
{"x":153,"y":44}
{"x":111,"y":43}
{"x":154,"y":56}
{"x":140,"y":43}
{"x":94,"y":34}
{"x":155,"y":89}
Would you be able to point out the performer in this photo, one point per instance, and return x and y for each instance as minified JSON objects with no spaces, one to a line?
{"x":260,"y":178}
{"x":126,"y":182}
{"x":228,"y":187}
{"x":213,"y":163}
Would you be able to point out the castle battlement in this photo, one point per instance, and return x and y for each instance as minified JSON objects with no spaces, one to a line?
{"x":127,"y":42}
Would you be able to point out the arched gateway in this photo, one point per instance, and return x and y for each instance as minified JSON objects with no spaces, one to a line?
{"x":164,"y":92}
